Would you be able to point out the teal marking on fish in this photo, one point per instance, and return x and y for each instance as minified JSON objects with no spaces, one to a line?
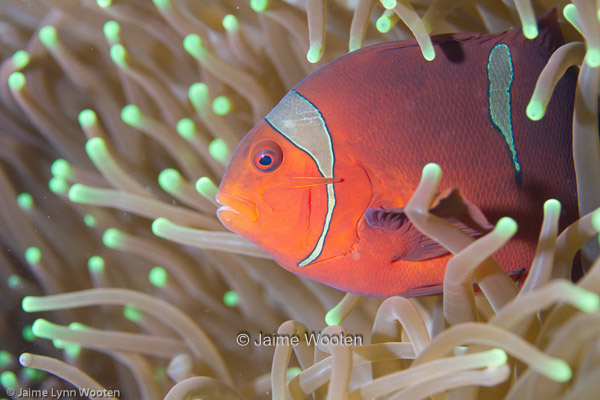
{"x":301,"y":122}
{"x":500,"y":76}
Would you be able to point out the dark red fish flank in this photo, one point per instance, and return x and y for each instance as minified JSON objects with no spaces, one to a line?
{"x":419,"y":112}
{"x":388,"y":112}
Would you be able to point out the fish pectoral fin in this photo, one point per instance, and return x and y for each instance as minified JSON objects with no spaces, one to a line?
{"x":454,"y":208}
{"x":418,"y":247}
{"x":412,"y":245}
{"x":392,"y":219}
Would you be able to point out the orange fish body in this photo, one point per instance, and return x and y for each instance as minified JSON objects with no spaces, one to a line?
{"x":320,"y":183}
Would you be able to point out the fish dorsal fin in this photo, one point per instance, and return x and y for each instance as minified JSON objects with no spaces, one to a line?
{"x":412,"y":244}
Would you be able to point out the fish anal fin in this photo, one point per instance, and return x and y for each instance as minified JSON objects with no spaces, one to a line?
{"x":411,"y":244}
{"x":423,"y":291}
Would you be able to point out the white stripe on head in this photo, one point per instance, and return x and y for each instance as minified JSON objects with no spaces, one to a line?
{"x":298,"y":120}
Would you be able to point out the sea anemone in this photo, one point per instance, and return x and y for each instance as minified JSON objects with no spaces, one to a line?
{"x":117,"y":120}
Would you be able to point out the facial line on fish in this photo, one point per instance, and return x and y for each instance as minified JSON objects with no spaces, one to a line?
{"x":306,"y":181}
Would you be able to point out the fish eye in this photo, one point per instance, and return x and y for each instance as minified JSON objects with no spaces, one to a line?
{"x":267,"y":156}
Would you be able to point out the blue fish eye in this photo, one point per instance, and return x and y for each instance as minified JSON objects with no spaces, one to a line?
{"x":267,"y":159}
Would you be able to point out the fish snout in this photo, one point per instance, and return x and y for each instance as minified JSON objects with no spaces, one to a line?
{"x":235,"y":208}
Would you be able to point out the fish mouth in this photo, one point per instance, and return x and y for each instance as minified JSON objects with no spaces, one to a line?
{"x":235,"y":208}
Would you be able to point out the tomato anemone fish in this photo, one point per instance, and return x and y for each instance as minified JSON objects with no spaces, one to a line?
{"x":320,"y":183}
